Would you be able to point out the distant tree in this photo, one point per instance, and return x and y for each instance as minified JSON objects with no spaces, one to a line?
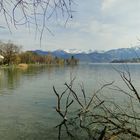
{"x":72,"y":57}
{"x":10,"y":52}
{"x":29,"y":57}
{"x":58,"y":61}
{"x":72,"y":61}
{"x":49,"y":59}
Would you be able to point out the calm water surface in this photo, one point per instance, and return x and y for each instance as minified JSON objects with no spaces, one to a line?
{"x":27,"y":100}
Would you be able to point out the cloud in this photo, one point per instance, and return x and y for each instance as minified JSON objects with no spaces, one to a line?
{"x":107,"y":4}
{"x":99,"y":25}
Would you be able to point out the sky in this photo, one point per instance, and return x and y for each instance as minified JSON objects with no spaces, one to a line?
{"x":96,"y":25}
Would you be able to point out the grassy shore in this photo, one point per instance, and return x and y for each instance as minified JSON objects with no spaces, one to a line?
{"x":23,"y":65}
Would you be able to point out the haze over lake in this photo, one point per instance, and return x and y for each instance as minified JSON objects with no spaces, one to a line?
{"x":27,"y":100}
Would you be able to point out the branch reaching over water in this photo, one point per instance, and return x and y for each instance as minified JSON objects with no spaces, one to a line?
{"x":95,"y":116}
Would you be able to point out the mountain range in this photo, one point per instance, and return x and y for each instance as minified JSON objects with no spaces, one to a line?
{"x":96,"y":56}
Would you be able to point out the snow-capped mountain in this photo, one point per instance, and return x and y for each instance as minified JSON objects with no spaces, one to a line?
{"x":76,"y":51}
{"x":96,"y":56}
{"x":73,"y":51}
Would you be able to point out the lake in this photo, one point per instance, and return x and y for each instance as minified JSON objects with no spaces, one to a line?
{"x":27,"y":99}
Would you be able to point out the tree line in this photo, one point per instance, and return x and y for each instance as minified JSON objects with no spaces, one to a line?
{"x":13,"y":55}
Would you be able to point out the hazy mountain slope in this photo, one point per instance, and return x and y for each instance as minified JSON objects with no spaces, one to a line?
{"x":95,"y":56}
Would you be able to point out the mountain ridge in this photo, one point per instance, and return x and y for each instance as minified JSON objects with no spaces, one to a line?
{"x":95,"y":56}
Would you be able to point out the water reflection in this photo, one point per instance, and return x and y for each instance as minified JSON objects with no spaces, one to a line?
{"x":12,"y":78}
{"x":28,"y":112}
{"x":9,"y":78}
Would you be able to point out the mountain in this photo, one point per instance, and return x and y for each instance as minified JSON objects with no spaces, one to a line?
{"x":124,"y":53}
{"x":96,"y":56}
{"x":73,"y":51}
{"x":40,"y":52}
{"x":61,"y":53}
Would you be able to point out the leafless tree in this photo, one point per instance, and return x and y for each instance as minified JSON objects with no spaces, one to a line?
{"x":97,"y":117}
{"x":35,"y":13}
{"x":10,"y":52}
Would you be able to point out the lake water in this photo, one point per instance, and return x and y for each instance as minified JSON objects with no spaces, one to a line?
{"x":27,"y":99}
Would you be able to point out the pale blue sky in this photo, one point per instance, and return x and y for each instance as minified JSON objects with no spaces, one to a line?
{"x":96,"y":25}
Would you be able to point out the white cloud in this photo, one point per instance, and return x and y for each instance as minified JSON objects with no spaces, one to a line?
{"x":99,"y":25}
{"x":106,"y":4}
